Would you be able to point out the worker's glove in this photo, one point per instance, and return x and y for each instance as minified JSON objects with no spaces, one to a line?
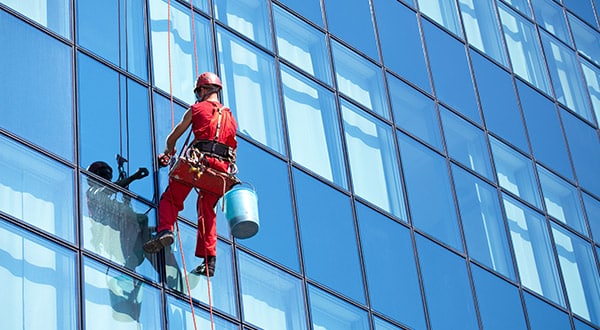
{"x":163,"y":160}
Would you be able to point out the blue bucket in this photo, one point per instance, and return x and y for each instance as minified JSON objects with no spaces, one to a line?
{"x":241,"y":211}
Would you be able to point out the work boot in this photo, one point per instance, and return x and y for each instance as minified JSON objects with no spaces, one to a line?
{"x":162,"y":239}
{"x":202,"y":269}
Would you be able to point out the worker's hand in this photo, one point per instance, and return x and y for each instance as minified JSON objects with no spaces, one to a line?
{"x":163,"y":160}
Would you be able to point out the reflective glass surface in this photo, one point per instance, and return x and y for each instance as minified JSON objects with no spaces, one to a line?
{"x":483,"y":225}
{"x":447,"y":289}
{"x":414,"y":112}
{"x":520,"y":5}
{"x":592,"y":77}
{"x":533,"y":250}
{"x":428,"y":184}
{"x":358,"y":31}
{"x":36,"y":190}
{"x":373,"y":162}
{"x":329,"y":312}
{"x":450,"y":71}
{"x":359,"y":79}
{"x":310,"y":9}
{"x":328,"y":237}
{"x":543,"y":316}
{"x":380,"y":324}
{"x":584,"y":9}
{"x":36,"y":89}
{"x":302,"y":44}
{"x":390,"y":268}
{"x":482,"y":28}
{"x":315,"y":137}
{"x":250,"y":18}
{"x":180,"y":316}
{"x":551,"y":17}
{"x":592,"y":208}
{"x":587,"y":40}
{"x":271,"y":299}
{"x":39,"y":283}
{"x":443,"y":12}
{"x":248,"y":77}
{"x":53,"y":14}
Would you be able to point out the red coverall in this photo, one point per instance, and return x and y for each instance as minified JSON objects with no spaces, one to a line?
{"x":204,"y":126}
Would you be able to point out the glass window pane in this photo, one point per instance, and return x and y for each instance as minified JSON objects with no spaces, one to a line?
{"x":499,"y":102}
{"x":414,"y":112}
{"x":579,"y":325}
{"x":446,"y":286}
{"x":592,"y":77}
{"x":311,"y":109}
{"x":380,"y":324}
{"x":53,"y":14}
{"x":562,"y":200}
{"x":550,"y":16}
{"x":524,"y":48}
{"x":329,"y":312}
{"x":428,"y":184}
{"x":482,"y":28}
{"x":545,"y":131}
{"x":302,"y":44}
{"x":39,"y":279}
{"x":276,"y":238}
{"x":580,"y":273}
{"x":271,"y":299}
{"x":184,"y":60}
{"x":311,"y":9}
{"x":401,"y":43}
{"x":543,"y":316}
{"x":566,"y":77}
{"x":36,"y":89}
{"x":483,"y":225}
{"x":592,"y":207}
{"x":357,"y":31}
{"x":359,"y":79}
{"x":520,"y":5}
{"x":180,"y":317}
{"x":466,"y":143}
{"x":515,"y":172}
{"x":250,"y":89}
{"x":36,"y":189}
{"x":443,"y":12}
{"x":499,"y":302}
{"x":583,"y":8}
{"x":330,"y":249}
{"x":390,"y":267}
{"x":249,"y":17}
{"x":450,"y":71}
{"x":373,"y":162}
{"x":533,"y":250}
{"x":114,"y":300}
{"x":587,"y":40}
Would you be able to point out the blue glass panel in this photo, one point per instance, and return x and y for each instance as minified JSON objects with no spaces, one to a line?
{"x":53,"y":14}
{"x":533,"y":250}
{"x":466,"y":143}
{"x":415,"y":112}
{"x":329,"y":312}
{"x":114,"y":300}
{"x":562,"y":200}
{"x":250,"y":89}
{"x":190,"y":52}
{"x":36,"y":89}
{"x":36,"y":190}
{"x":271,"y":299}
{"x":545,"y":133}
{"x":302,"y":44}
{"x":579,"y":325}
{"x":39,"y":282}
{"x":443,"y":12}
{"x":329,"y":247}
{"x":524,"y":48}
{"x":199,"y":4}
{"x":515,"y":173}
{"x":520,"y":5}
{"x":585,"y":150}
{"x":401,"y":43}
{"x":383,"y":325}
{"x":359,"y":79}
{"x":373,"y":161}
{"x":357,"y":31}
{"x":250,"y":18}
{"x":583,"y":8}
{"x":499,"y":302}
{"x":550,"y":16}
{"x":427,"y":184}
{"x":592,"y":207}
{"x":482,"y":28}
{"x":180,"y":317}
{"x":447,"y":288}
{"x":450,"y":71}
{"x":390,"y":267}
{"x":310,"y":9}
{"x":592,"y":77}
{"x":276,"y":238}
{"x":311,"y":109}
{"x":580,"y":273}
{"x":483,"y":225}
{"x":566,"y":76}
{"x":543,"y":316}
{"x":587,"y":40}
{"x":499,"y":102}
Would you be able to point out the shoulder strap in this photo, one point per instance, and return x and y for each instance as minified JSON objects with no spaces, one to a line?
{"x":220,"y":110}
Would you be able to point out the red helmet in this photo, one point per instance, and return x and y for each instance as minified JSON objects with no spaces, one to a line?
{"x":207,"y":79}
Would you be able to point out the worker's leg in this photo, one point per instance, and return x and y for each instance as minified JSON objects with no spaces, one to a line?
{"x":206,"y":243}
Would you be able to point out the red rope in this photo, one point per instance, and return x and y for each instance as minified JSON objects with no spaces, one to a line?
{"x":194,"y":39}
{"x":210,"y":306}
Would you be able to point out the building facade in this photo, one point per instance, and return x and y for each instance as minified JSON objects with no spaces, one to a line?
{"x":419,"y":164}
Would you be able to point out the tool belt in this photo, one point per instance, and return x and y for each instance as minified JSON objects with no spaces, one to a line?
{"x":215,"y":149}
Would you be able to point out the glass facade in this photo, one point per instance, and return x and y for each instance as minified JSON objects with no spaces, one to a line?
{"x":419,"y":164}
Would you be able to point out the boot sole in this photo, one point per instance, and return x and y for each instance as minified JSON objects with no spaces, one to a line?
{"x":157,"y":244}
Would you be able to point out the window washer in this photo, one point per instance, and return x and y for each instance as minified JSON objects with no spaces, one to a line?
{"x":214,"y":129}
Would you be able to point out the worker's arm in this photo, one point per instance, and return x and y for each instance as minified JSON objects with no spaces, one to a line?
{"x":177,"y":131}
